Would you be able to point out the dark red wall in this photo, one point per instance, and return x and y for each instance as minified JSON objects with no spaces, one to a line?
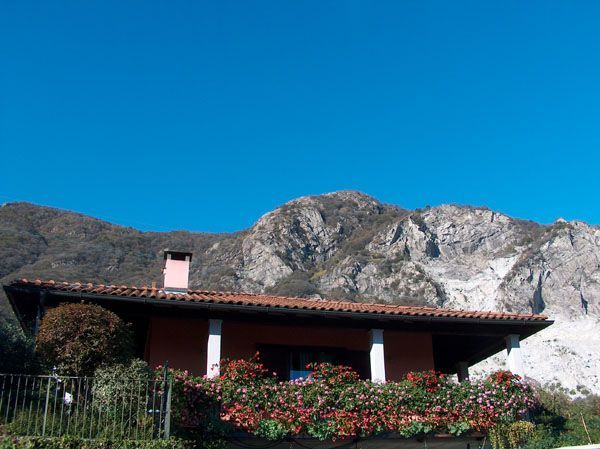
{"x":183,"y":343}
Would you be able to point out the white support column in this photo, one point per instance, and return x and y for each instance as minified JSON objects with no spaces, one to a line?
{"x":213,"y":351}
{"x":377,"y":355}
{"x":513,"y":355}
{"x":462,"y":371}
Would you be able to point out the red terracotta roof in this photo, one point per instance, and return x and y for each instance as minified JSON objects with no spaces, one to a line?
{"x":261,"y":300}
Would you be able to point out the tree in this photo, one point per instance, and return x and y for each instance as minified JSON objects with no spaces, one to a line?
{"x":78,"y":338}
{"x":17,"y":351}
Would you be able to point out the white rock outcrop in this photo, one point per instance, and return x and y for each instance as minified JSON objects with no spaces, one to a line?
{"x":450,"y":256}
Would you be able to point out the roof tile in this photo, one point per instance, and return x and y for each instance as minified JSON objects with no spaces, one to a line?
{"x":242,"y":298}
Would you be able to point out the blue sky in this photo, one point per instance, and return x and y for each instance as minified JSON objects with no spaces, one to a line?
{"x":108,"y":108}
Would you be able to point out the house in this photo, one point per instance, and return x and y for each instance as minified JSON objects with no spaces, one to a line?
{"x":194,"y":329}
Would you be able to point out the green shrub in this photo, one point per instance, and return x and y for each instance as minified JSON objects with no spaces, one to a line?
{"x":115,"y":386}
{"x":111,"y":407}
{"x":81,"y":443}
{"x":296,"y":284}
{"x":511,"y":436}
{"x":91,"y":423}
{"x":17,"y":351}
{"x":78,"y":338}
{"x":559,"y":420}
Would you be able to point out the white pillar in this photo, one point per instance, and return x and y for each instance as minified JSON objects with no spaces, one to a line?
{"x":462,"y":371}
{"x":513,"y":355}
{"x":213,"y":351}
{"x":377,"y":355}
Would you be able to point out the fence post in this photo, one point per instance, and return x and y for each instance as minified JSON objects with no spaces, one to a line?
{"x":166,"y":402}
{"x":167,"y":432}
{"x":46,"y":406}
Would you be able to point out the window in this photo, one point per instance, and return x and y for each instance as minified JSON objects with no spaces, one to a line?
{"x":300,"y":359}
{"x":289,"y":362}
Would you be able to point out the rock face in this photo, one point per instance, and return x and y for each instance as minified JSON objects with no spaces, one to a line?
{"x":348,"y":245}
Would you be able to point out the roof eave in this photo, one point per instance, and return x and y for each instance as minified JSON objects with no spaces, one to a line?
{"x":224,"y":307}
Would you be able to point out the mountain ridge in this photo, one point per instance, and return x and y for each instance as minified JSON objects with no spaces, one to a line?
{"x":348,"y":245}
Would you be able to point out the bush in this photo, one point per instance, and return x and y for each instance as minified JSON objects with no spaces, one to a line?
{"x":122,"y":401}
{"x":117,"y":387}
{"x":511,"y":436}
{"x":17,"y":351}
{"x":195,"y":411}
{"x":126,"y":394}
{"x":92,"y":423}
{"x":81,"y":443}
{"x":559,"y":420}
{"x":296,"y":284}
{"x":78,"y":338}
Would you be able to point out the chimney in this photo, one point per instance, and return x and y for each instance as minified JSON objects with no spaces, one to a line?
{"x":176,"y":271}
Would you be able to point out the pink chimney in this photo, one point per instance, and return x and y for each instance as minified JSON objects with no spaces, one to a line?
{"x":176,"y":271}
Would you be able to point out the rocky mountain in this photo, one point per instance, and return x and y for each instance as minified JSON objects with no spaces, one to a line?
{"x":348,"y":245}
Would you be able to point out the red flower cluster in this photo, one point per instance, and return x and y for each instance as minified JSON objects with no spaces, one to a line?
{"x":430,"y":380}
{"x":194,"y":399}
{"x":333,"y":374}
{"x":243,"y":370}
{"x":505,"y":377}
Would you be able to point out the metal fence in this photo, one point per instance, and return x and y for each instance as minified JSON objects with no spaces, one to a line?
{"x":84,"y":407}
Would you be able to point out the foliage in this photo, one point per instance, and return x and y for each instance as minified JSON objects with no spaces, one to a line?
{"x":115,"y":405}
{"x":511,"y":436}
{"x":78,"y":338}
{"x":121,"y":402}
{"x":559,"y":419}
{"x":17,"y":351}
{"x":297,"y":283}
{"x":81,"y":443}
{"x":116,"y":386}
{"x":334,"y":403}
{"x":92,"y":423}
{"x":195,"y":411}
